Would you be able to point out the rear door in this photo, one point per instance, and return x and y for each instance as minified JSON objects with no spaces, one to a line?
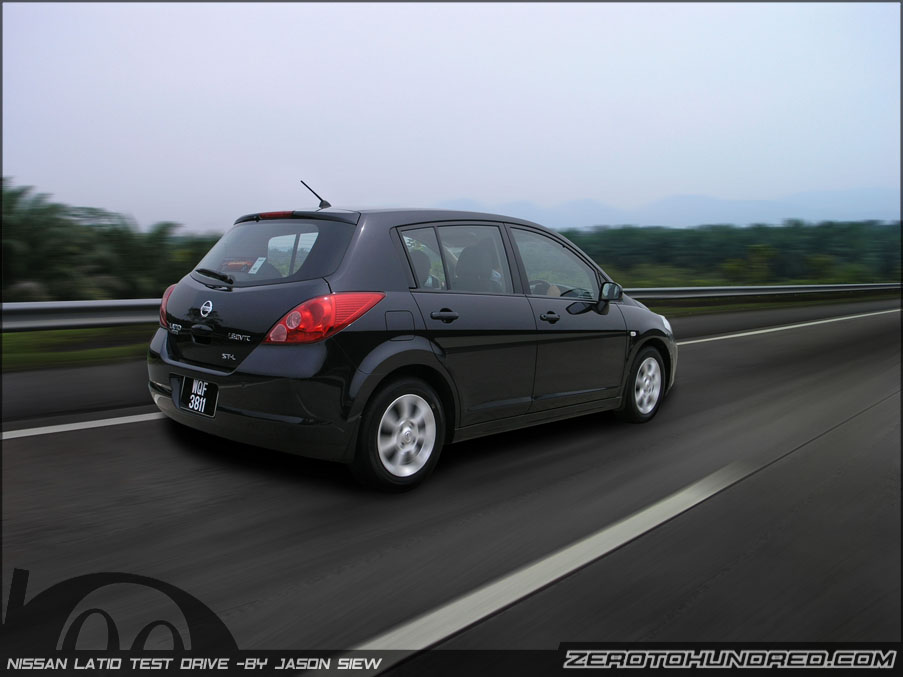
{"x":479,"y":323}
{"x":580,"y":351}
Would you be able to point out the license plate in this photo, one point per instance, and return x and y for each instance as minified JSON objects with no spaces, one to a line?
{"x":198,"y":397}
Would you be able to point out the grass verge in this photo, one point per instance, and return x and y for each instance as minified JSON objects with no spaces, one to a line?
{"x":74,"y":347}
{"x":685,"y":307}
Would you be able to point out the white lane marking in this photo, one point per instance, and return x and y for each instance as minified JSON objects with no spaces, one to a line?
{"x":102,"y":423}
{"x":434,"y":626}
{"x":786,"y":327}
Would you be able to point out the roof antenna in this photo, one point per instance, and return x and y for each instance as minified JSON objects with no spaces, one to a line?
{"x":323,"y":203}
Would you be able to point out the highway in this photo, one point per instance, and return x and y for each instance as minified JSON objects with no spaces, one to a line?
{"x":794,"y":433}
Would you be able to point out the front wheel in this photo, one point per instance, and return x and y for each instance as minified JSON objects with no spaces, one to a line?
{"x":645,"y":387}
{"x":401,"y":435}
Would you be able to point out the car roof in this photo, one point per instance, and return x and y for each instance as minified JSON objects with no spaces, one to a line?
{"x":390,"y":217}
{"x":407,"y":216}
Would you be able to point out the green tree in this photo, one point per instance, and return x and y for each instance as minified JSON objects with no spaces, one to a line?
{"x":53,"y":251}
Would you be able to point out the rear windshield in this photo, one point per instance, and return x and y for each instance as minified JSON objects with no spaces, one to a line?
{"x":269,"y":252}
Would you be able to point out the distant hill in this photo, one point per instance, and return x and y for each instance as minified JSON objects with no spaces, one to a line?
{"x":692,"y":210}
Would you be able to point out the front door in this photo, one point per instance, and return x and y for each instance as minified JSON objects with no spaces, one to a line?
{"x":580,"y":350}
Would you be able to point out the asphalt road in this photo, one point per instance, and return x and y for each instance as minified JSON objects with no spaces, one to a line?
{"x":291,"y":554}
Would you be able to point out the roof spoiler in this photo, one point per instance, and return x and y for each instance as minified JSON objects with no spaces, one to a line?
{"x":342,"y":216}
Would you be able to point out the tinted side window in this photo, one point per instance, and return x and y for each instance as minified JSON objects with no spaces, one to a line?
{"x":553,"y":269}
{"x":426,"y":261}
{"x":475,"y":259}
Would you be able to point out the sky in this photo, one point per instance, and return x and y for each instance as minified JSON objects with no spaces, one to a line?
{"x":198,"y":113}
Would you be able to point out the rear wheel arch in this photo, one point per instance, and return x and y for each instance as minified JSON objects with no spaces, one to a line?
{"x":431,"y":377}
{"x":366,"y":385}
{"x":401,"y":435}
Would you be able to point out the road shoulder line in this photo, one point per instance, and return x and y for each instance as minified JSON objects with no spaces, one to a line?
{"x":787,"y":326}
{"x":434,"y":626}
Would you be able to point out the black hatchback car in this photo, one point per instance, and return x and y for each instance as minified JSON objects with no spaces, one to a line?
{"x":376,"y":337}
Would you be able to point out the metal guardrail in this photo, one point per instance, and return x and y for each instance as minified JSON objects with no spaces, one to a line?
{"x":85,"y":314}
{"x":79,"y":314}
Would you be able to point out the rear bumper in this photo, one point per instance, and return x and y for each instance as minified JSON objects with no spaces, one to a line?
{"x":303,"y":416}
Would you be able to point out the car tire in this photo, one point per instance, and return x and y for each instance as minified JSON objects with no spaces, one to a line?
{"x":645,"y":387}
{"x":401,"y":435}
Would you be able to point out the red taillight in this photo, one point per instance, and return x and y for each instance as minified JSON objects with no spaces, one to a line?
{"x":319,"y":318}
{"x":166,"y":295}
{"x":275,"y":215}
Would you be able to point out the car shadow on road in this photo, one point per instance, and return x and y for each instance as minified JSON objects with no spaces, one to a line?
{"x":499,"y":449}
{"x":542,"y":436}
{"x":257,"y":460}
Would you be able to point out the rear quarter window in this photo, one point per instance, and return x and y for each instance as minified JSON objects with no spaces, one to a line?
{"x":426,"y":261}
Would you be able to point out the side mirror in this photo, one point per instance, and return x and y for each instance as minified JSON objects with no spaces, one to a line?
{"x":610,"y":292}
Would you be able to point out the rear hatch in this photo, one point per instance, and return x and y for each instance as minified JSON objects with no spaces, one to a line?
{"x":251,"y":278}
